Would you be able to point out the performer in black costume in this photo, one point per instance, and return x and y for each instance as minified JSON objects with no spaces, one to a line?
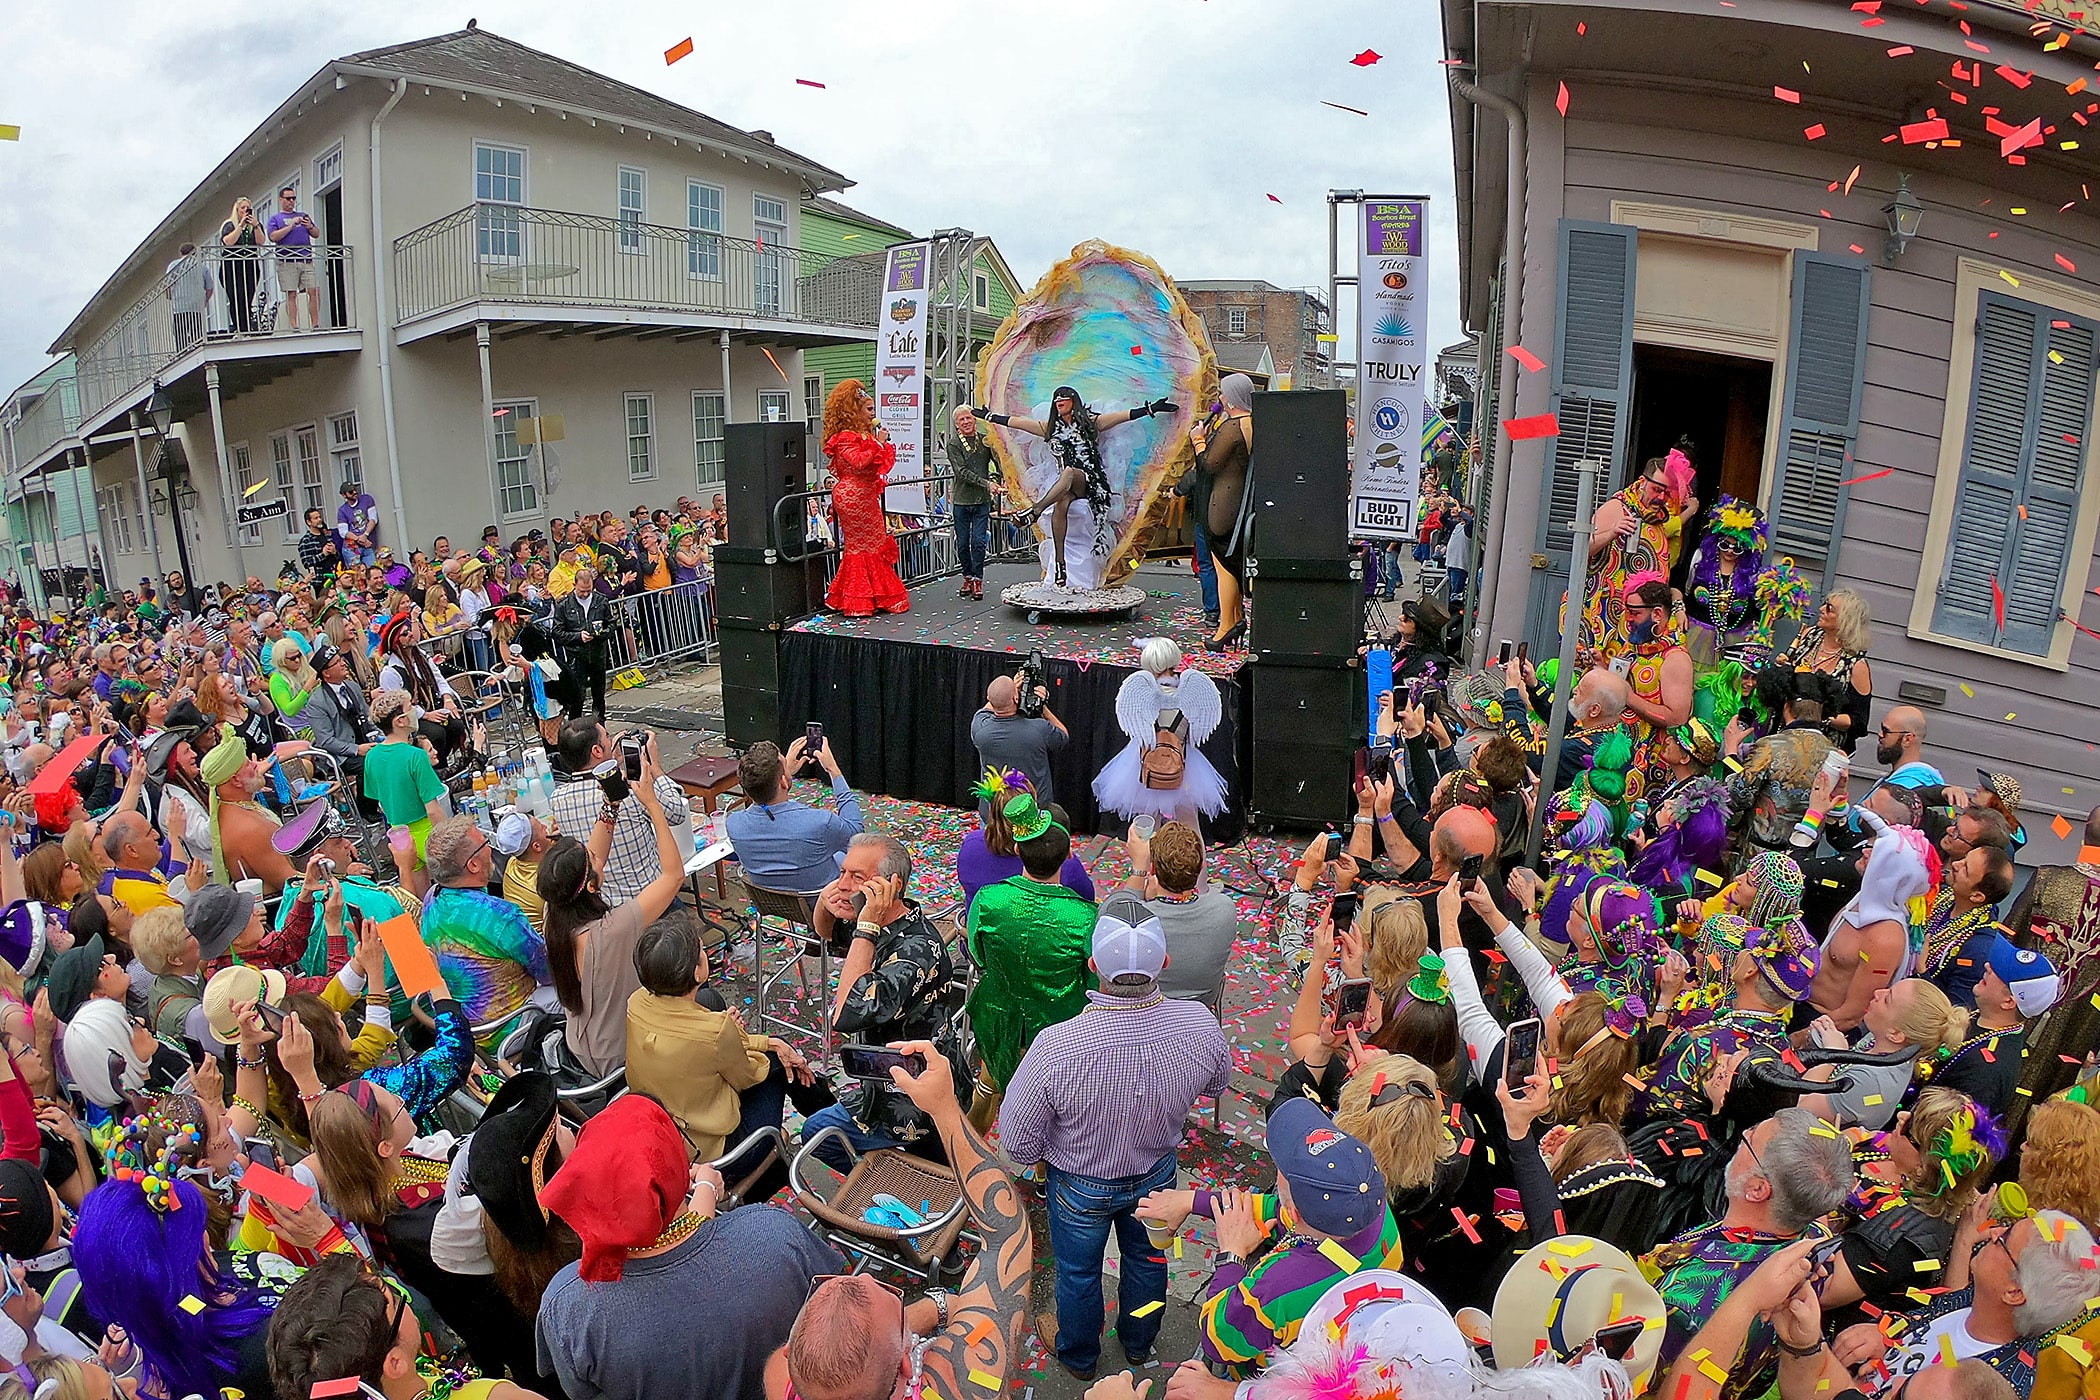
{"x":1223,"y":501}
{"x":1074,"y":434}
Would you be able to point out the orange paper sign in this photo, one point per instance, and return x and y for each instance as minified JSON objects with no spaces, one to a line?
{"x":414,"y":967}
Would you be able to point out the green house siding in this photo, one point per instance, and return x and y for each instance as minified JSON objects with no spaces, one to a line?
{"x":998,"y":293}
{"x":837,"y":362}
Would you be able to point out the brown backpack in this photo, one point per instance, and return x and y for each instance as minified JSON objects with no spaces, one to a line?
{"x":1167,"y":759}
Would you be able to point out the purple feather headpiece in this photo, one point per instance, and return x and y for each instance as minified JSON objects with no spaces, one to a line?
{"x":1693,"y":842}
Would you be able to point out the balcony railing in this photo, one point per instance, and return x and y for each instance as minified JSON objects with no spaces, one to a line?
{"x":507,"y":253}
{"x":214,"y":296}
{"x":48,"y":423}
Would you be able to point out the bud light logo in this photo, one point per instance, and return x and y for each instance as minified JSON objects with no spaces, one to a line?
{"x":1389,"y":419}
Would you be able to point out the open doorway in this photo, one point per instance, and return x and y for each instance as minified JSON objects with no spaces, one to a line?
{"x":1713,"y":405}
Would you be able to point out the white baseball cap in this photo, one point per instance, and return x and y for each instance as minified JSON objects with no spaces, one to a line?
{"x":1128,"y":940}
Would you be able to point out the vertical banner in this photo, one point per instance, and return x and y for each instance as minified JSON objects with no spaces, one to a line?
{"x":1392,"y":310}
{"x":900,"y":372}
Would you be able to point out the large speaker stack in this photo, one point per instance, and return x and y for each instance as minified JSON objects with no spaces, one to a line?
{"x":761,"y":580}
{"x":1306,"y":690}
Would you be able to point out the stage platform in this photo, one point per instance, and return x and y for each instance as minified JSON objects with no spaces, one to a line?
{"x":896,"y":692}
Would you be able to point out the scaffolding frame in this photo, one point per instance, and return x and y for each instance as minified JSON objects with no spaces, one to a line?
{"x":951,"y":373}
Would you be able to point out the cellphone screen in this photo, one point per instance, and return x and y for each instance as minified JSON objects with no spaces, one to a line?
{"x":1617,"y":1340}
{"x":812,"y":735}
{"x":631,"y":761}
{"x":272,"y":1016}
{"x":1520,"y":1057}
{"x":1381,"y":763}
{"x":1469,"y":871}
{"x":1351,"y":1001}
{"x":874,"y":1062}
{"x":1503,"y":656}
{"x":1334,"y":845}
{"x":1344,"y":912}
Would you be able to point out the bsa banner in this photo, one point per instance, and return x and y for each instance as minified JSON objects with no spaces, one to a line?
{"x":1392,"y":307}
{"x":900,"y":372}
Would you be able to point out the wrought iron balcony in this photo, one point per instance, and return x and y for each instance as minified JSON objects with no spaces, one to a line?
{"x":518,"y":256}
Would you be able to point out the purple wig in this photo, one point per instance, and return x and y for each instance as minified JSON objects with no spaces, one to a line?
{"x":1693,"y":842}
{"x":137,"y":1265}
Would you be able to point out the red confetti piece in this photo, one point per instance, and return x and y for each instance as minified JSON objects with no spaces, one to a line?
{"x":1900,"y":50}
{"x":1787,"y":95}
{"x":1581,"y":28}
{"x":1562,"y":100}
{"x":1367,"y":58}
{"x":1465,"y":1225}
{"x":348,"y":1385}
{"x":1137,"y":349}
{"x":1914,"y":133}
{"x":2028,"y":135}
{"x":808,"y":82}
{"x":1856,"y":249}
{"x":1816,"y":132}
{"x":1866,"y":7}
{"x":2065,"y":263}
{"x":2013,"y":76}
{"x":1526,"y":358}
{"x":1997,"y":608}
{"x":1540,"y":425}
{"x":1871,"y":23}
{"x":1274,"y":200}
{"x":682,"y":49}
{"x":1870,"y":476}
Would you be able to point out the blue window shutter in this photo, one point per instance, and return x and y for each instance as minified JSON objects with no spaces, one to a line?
{"x":1592,"y":370}
{"x":2022,"y":469}
{"x":1819,"y":423}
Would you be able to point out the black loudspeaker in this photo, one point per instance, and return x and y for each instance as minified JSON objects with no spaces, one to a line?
{"x":1300,"y":474}
{"x":762,"y":462}
{"x":750,"y":684}
{"x":754,"y":593}
{"x":1308,"y":723}
{"x":1306,"y":608}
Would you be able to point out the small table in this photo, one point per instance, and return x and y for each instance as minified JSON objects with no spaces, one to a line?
{"x":705,"y":778}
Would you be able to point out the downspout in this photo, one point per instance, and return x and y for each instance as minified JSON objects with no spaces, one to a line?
{"x":385,"y":328}
{"x":1513,"y":224}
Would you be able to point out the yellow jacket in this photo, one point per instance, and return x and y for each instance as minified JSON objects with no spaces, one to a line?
{"x":694,"y":1061}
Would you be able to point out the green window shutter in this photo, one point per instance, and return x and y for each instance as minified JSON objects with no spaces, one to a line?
{"x":2022,"y":467}
{"x":1592,"y":368}
{"x":1826,"y":365}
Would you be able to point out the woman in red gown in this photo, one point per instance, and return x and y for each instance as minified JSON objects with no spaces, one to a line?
{"x":861,"y":457}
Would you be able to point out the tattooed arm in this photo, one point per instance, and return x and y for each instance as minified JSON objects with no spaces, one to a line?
{"x":985,"y":1316}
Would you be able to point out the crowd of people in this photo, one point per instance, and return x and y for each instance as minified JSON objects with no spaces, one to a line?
{"x":1759,"y":1077}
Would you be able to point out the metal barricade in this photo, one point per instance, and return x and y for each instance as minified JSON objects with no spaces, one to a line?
{"x":665,"y":626}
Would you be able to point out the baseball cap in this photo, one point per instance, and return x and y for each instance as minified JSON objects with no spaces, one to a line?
{"x":1128,"y":940}
{"x":513,"y":832}
{"x":1336,"y":1188}
{"x":239,"y":983}
{"x":73,"y":975}
{"x":216,"y":915}
{"x":26,"y":1216}
{"x":2030,"y":976}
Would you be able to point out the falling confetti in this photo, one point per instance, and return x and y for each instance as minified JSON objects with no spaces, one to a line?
{"x":2065,"y":263}
{"x":2061,"y":827}
{"x":10,"y":133}
{"x":1274,"y":200}
{"x":808,"y":82}
{"x":682,"y":49}
{"x":1933,"y":129}
{"x":1581,"y":29}
{"x":1900,"y":50}
{"x":1870,"y":476}
{"x":1526,"y":358}
{"x":256,"y":487}
{"x":1367,"y":58}
{"x":1816,"y":132}
{"x":1341,"y":108}
{"x":1850,"y":179}
{"x":1562,"y":100}
{"x":1540,"y":425}
{"x":1787,"y":95}
{"x":1137,"y":349}
{"x":2020,"y":139}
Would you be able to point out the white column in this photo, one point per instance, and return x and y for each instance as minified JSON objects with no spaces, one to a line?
{"x":226,"y":490}
{"x":488,"y":419}
{"x":138,"y":452}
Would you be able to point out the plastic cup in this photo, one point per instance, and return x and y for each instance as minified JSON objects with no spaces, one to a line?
{"x":1143,"y":825}
{"x":1159,"y":1234}
{"x":401,"y":839}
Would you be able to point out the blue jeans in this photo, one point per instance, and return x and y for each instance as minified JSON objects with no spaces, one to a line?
{"x":973,"y":537}
{"x":1458,"y":590}
{"x":831,"y":1154}
{"x":1389,"y":569}
{"x":1206,"y":572}
{"x":1082,"y":1209}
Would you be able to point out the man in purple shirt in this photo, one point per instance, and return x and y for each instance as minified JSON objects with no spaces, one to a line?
{"x":357,"y":525}
{"x":1103,"y":1098}
{"x":293,"y":233}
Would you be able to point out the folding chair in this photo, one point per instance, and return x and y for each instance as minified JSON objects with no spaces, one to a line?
{"x":798,"y":912}
{"x":930,"y":1189}
{"x":741,"y":1168}
{"x":1215,"y":1003}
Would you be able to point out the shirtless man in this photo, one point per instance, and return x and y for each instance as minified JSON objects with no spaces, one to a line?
{"x":1869,"y":943}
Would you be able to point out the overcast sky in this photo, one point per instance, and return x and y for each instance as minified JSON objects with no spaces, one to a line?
{"x":1163,"y":125}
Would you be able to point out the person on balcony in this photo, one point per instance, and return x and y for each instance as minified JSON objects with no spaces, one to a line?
{"x":861,"y":456}
{"x":240,"y":264}
{"x":297,"y":272}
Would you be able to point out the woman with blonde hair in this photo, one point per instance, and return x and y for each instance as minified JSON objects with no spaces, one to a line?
{"x":1836,"y":646}
{"x":1912,"y":1015}
{"x":1394,"y":1106}
{"x":83,"y":854}
{"x":292,"y":678}
{"x":2060,"y":1160}
{"x":1398,"y":935}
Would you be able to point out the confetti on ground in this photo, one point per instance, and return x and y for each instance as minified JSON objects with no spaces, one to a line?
{"x":1526,"y":358}
{"x":682,"y":49}
{"x":1367,"y":58}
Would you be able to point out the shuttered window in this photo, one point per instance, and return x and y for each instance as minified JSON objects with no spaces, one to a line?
{"x":2009,"y":542}
{"x":1592,"y":367}
{"x":1826,"y":364}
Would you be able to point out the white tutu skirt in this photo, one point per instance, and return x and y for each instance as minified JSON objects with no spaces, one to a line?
{"x":1119,"y":786}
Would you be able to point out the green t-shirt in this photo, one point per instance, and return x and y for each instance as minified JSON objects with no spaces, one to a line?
{"x":402,"y":780}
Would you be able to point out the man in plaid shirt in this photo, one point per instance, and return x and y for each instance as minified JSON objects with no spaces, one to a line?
{"x":584,"y":747}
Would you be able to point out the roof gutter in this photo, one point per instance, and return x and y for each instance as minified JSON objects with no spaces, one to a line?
{"x":1513,"y":223}
{"x":383,"y":320}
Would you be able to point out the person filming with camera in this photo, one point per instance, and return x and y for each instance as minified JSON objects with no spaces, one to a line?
{"x":587,"y":754}
{"x":1016,"y":729}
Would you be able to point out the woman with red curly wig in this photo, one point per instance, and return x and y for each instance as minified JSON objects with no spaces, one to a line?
{"x":861,"y":457}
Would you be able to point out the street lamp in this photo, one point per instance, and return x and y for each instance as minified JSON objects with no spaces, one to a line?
{"x":1904,"y":216}
{"x":173,"y":470}
{"x":161,"y":409}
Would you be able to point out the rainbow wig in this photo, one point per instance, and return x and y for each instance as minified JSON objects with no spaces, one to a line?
{"x":139,"y":1265}
{"x":1693,"y":842}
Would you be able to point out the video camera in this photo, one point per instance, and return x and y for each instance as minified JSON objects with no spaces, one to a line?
{"x":1028,"y":703}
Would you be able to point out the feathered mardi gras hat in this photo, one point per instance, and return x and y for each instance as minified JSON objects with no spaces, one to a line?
{"x":1738,"y":522}
{"x":998,"y":784}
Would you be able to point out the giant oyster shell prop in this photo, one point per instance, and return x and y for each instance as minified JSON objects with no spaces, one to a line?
{"x":1110,"y":323}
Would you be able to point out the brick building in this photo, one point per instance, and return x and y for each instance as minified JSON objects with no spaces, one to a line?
{"x":1241,"y":315}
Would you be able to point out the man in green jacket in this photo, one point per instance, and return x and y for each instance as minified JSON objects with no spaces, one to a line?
{"x":970,"y":498}
{"x":1031,"y":938}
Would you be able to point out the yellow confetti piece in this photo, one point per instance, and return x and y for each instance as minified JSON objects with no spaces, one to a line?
{"x":989,"y":1382}
{"x":255,"y":488}
{"x":1150,"y":1308}
{"x":1872,"y":1101}
{"x":1339,"y":1257}
{"x":2079,"y":1351}
{"x":10,"y":133}
{"x":1713,"y":1373}
{"x":2007,"y":275}
{"x":191,"y":1304}
{"x":1947,"y":1357}
{"x":1177,"y":1246}
{"x":1822,"y":1385}
{"x":2011,"y":713}
{"x":1968,"y":692}
{"x":1571,"y":1248}
{"x":1618,"y":1307}
{"x":2056,"y":357}
{"x":1925,"y":1266}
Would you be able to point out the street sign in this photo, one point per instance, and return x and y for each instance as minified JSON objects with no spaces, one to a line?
{"x":268,"y":510}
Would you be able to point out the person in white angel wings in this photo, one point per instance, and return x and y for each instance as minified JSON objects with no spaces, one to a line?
{"x":1168,"y":713}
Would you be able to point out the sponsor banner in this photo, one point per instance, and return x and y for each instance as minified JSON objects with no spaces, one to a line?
{"x":900,"y":371}
{"x":1392,"y":361}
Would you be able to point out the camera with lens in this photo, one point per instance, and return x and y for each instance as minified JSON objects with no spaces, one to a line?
{"x":1029,"y":704}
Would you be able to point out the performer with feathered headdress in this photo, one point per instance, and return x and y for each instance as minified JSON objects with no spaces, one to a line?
{"x":1630,"y":535}
{"x":1722,"y":604}
{"x":989,"y":855}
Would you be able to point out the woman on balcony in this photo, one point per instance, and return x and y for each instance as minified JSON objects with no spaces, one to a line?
{"x":861,"y":457}
{"x":240,"y":268}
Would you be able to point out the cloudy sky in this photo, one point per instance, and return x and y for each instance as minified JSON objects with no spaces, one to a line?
{"x":1163,"y":125}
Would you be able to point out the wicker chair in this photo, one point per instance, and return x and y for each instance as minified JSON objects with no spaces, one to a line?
{"x":917,"y":1251}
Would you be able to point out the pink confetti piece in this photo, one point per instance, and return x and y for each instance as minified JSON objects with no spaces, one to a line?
{"x":808,"y":82}
{"x":2065,"y":263}
{"x":2020,"y":140}
{"x":1562,"y":100}
{"x":1816,"y":132}
{"x":1787,"y":95}
{"x":1526,"y":358}
{"x":1901,"y":50}
{"x":1274,"y":200}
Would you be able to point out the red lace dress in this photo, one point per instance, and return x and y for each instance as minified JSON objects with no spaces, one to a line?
{"x":867,"y":577}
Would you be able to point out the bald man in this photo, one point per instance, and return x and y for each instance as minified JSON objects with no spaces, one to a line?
{"x":1459,"y":833}
{"x":1005,"y":738}
{"x":1901,"y":741}
{"x":1594,"y":710}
